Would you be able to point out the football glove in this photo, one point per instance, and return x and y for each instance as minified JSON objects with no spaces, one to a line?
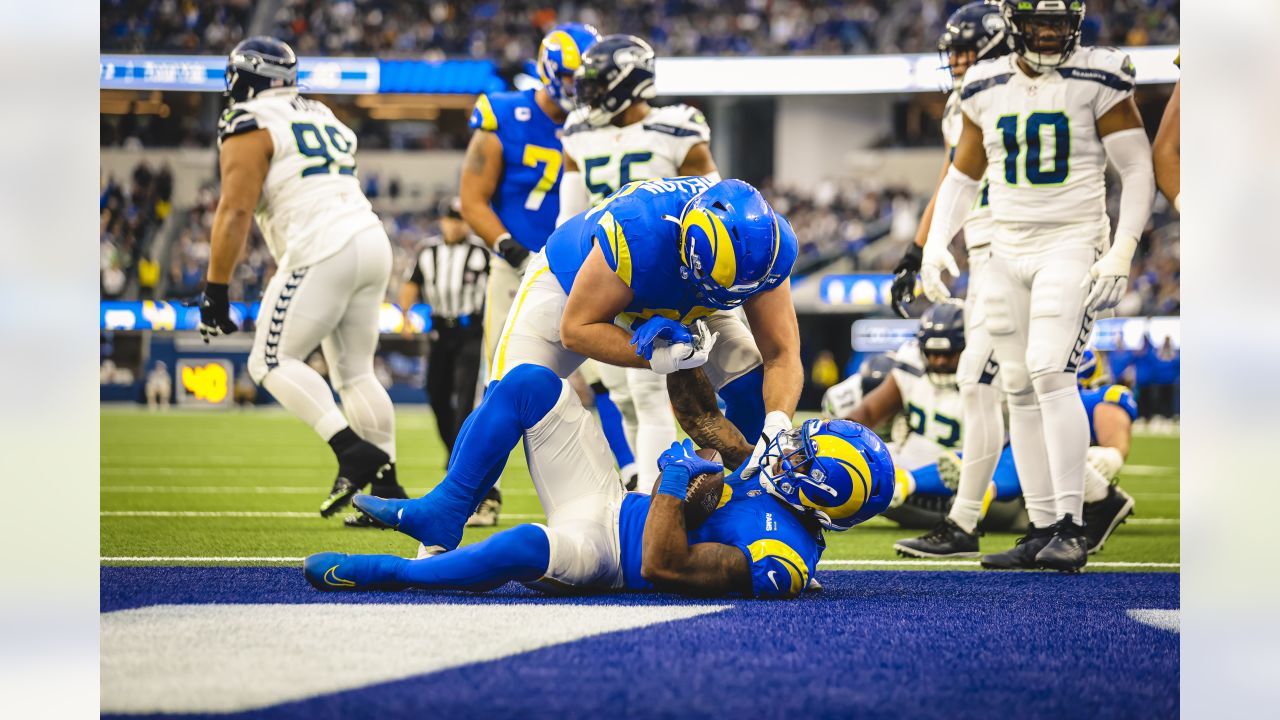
{"x":903,"y":289}
{"x":215,"y":312}
{"x":667,"y":359}
{"x":774,"y":423}
{"x":936,"y":259}
{"x":679,"y":464}
{"x":1110,"y":275}
{"x":658,"y":328}
{"x":513,"y":252}
{"x":1107,"y":461}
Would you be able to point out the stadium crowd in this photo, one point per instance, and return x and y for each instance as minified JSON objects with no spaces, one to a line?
{"x":130,"y":213}
{"x":510,"y":30}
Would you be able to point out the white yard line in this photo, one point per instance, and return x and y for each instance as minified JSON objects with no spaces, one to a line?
{"x":822,"y":563}
{"x":1149,"y":470}
{"x":1153,"y":521}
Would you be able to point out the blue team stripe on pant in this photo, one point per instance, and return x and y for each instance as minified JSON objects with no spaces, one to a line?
{"x":278,"y":314}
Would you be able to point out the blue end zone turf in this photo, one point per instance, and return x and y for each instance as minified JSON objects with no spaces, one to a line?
{"x":873,"y":644}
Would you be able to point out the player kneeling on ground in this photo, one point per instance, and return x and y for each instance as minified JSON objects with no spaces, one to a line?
{"x":757,"y":537}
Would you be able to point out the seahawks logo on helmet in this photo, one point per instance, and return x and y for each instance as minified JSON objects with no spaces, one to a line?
{"x":257,"y":64}
{"x":615,"y":73}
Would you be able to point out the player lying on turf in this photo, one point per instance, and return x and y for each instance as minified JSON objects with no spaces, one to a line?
{"x":925,"y":457}
{"x":757,"y":537}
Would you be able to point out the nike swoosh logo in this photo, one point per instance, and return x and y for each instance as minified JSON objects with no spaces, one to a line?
{"x":331,"y":578}
{"x":772,"y":579}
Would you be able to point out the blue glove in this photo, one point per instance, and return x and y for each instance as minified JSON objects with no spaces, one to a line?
{"x":679,"y":464}
{"x":658,"y":328}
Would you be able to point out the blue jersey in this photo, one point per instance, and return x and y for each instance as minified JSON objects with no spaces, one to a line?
{"x":638,"y":229}
{"x":1113,"y":394}
{"x":782,"y":551}
{"x":527,"y":199}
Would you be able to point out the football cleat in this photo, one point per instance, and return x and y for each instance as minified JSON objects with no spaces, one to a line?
{"x":358,"y":465}
{"x":486,"y":515}
{"x":1022,"y":556}
{"x":1103,"y":517}
{"x":1068,"y":550}
{"x":330,"y":571}
{"x":361,"y":520}
{"x":341,"y":494}
{"x":946,"y":540}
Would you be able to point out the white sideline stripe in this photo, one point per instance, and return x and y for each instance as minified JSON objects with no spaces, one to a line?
{"x":1170,"y":620}
{"x":252,"y":514}
{"x":255,"y":489}
{"x":1149,"y":470}
{"x":821,"y":563}
{"x":1153,"y":521}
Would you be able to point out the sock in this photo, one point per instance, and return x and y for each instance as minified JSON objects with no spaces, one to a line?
{"x":744,"y":403}
{"x":982,"y":443}
{"x":611,"y":423}
{"x":387,"y":486}
{"x":343,"y":441}
{"x":523,"y":397}
{"x":1026,"y":434}
{"x":368,"y":409}
{"x":1096,"y":486}
{"x":304,"y":393}
{"x":1066,"y":438}
{"x":522,"y":554}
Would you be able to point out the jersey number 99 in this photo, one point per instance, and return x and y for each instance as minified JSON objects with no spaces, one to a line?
{"x":327,"y":144}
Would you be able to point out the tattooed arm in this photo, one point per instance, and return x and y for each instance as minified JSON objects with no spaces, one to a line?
{"x":694,"y":401}
{"x":481,"y":171}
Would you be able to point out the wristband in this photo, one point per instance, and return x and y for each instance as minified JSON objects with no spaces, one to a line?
{"x":675,"y":482}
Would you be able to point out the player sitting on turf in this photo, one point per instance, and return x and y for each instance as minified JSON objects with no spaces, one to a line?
{"x":762,"y":536}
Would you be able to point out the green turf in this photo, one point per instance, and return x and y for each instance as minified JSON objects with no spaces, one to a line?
{"x":267,"y":461}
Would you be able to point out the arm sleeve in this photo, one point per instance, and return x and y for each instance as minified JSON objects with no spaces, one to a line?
{"x":574,"y":196}
{"x":956,"y":196}
{"x":1130,"y":151}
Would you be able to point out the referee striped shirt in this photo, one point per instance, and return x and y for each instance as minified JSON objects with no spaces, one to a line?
{"x":452,"y":277}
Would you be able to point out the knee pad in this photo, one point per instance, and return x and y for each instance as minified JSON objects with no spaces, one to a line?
{"x":1024,"y":398}
{"x":532,"y":390}
{"x":1015,"y":379}
{"x":257,"y":367}
{"x":1054,"y":382}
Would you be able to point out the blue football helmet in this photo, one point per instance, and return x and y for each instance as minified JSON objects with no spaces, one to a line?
{"x":1092,"y":371}
{"x":941,"y":338}
{"x":977,"y":28}
{"x":560,"y":56}
{"x":732,"y":243}
{"x":873,"y":371}
{"x":615,"y":72}
{"x":1028,"y":21}
{"x":257,"y":64}
{"x":835,"y":471}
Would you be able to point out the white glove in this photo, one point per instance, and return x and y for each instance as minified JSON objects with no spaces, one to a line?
{"x":936,"y":259}
{"x":774,"y":423}
{"x":684,"y":356}
{"x":1107,"y":461}
{"x":1110,"y":275}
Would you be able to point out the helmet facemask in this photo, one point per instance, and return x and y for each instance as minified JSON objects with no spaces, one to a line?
{"x":785,"y":468}
{"x":941,"y":367}
{"x":1045,"y":32}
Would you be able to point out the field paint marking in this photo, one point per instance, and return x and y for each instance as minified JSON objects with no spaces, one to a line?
{"x":1170,"y":620}
{"x":1153,"y":521}
{"x":821,"y":563}
{"x":1150,"y":470}
{"x":227,"y":657}
{"x":284,"y":515}
{"x":255,"y":489}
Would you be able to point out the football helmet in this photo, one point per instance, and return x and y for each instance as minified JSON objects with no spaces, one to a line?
{"x":835,"y":471}
{"x":615,"y":72}
{"x":259,"y":63}
{"x":873,"y":371}
{"x":941,"y":338}
{"x":1092,"y":371}
{"x":560,"y":56}
{"x":1044,"y":33}
{"x":732,"y":243}
{"x":976,"y":28}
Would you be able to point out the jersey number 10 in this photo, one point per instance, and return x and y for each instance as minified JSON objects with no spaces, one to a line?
{"x":1035,"y":171}
{"x":327,"y":144}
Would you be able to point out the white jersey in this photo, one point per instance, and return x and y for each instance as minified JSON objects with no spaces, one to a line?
{"x":1046,"y":163}
{"x":979,"y":228}
{"x":311,"y":204}
{"x":932,"y":412}
{"x":610,"y":157}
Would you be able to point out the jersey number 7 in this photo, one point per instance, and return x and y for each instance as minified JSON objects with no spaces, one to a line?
{"x":550,"y":160}
{"x":327,"y":144}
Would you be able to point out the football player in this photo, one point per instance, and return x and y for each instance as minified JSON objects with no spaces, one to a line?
{"x":611,"y":139}
{"x":763,"y":540}
{"x":511,"y":178}
{"x":974,"y":33}
{"x":289,"y":163}
{"x":1044,"y":121}
{"x":1167,"y":148}
{"x":688,"y":251}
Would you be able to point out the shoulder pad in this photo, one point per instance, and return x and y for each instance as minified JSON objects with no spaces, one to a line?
{"x":985,"y":75}
{"x":1106,"y":66}
{"x":576,"y":122}
{"x":679,"y":121}
{"x":908,"y":358}
{"x":1122,"y":396}
{"x":236,"y":121}
{"x":483,"y":116}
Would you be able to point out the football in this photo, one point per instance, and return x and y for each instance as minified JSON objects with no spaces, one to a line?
{"x":703,"y":496}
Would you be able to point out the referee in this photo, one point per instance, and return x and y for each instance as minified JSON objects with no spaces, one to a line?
{"x":450,"y":275}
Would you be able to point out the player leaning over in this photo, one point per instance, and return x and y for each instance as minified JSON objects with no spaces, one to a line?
{"x":289,"y":163}
{"x":1045,"y":120}
{"x":974,"y":33}
{"x":763,"y":539}
{"x":611,"y":139}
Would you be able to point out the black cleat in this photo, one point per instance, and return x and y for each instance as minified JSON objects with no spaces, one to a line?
{"x":1022,"y":556}
{"x":946,"y":540}
{"x":341,"y":494}
{"x":1068,"y":551}
{"x":362,"y":519}
{"x":1103,"y":517}
{"x":359,"y":464}
{"x":486,"y":514}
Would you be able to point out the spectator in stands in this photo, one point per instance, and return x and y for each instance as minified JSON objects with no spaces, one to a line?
{"x":1157,"y":380}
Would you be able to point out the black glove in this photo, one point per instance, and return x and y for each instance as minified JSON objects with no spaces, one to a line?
{"x":215,"y":312}
{"x":903,"y":290}
{"x":513,"y":252}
